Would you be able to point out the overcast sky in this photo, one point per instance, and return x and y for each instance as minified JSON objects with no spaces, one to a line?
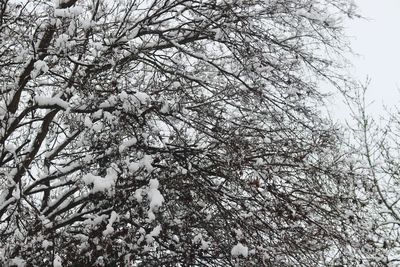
{"x":377,"y":40}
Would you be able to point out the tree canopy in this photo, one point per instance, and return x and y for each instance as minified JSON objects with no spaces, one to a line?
{"x":174,"y":133}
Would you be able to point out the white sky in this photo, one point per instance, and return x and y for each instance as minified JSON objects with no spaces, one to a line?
{"x":377,"y":40}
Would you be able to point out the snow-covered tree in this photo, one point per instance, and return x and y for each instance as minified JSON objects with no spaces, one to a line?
{"x":174,"y":133}
{"x":375,"y":142}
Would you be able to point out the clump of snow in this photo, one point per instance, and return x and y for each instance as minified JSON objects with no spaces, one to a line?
{"x":184,"y":171}
{"x":146,"y":162}
{"x":46,"y":244}
{"x":88,"y":122}
{"x":97,"y":126}
{"x":175,"y":238}
{"x":175,"y":84}
{"x":134,"y":166}
{"x":199,"y":239}
{"x":2,"y":254}
{"x":247,"y":215}
{"x":86,"y":24}
{"x":259,"y":161}
{"x":133,"y":33}
{"x":239,"y":233}
{"x":70,"y":12}
{"x":38,"y":67}
{"x":239,"y":250}
{"x":16,"y":193}
{"x":45,"y":221}
{"x":143,"y":98}
{"x":111,"y":101}
{"x":98,"y":114}
{"x":109,"y":228}
{"x":204,"y":245}
{"x":71,"y":28}
{"x":17,"y":262}
{"x":218,"y":34}
{"x":99,"y":183}
{"x":94,"y":220}
{"x":154,"y":233}
{"x":57,"y":262}
{"x":51,"y":101}
{"x":138,"y":195}
{"x":62,"y":41}
{"x":126,"y":144}
{"x":99,"y":261}
{"x":10,"y":147}
{"x":57,"y":3}
{"x":110,"y":118}
{"x":155,"y":197}
{"x":123,"y":96}
{"x":165,"y":108}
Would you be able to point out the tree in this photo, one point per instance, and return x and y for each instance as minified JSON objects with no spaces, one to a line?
{"x":174,"y":133}
{"x":376,"y":147}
